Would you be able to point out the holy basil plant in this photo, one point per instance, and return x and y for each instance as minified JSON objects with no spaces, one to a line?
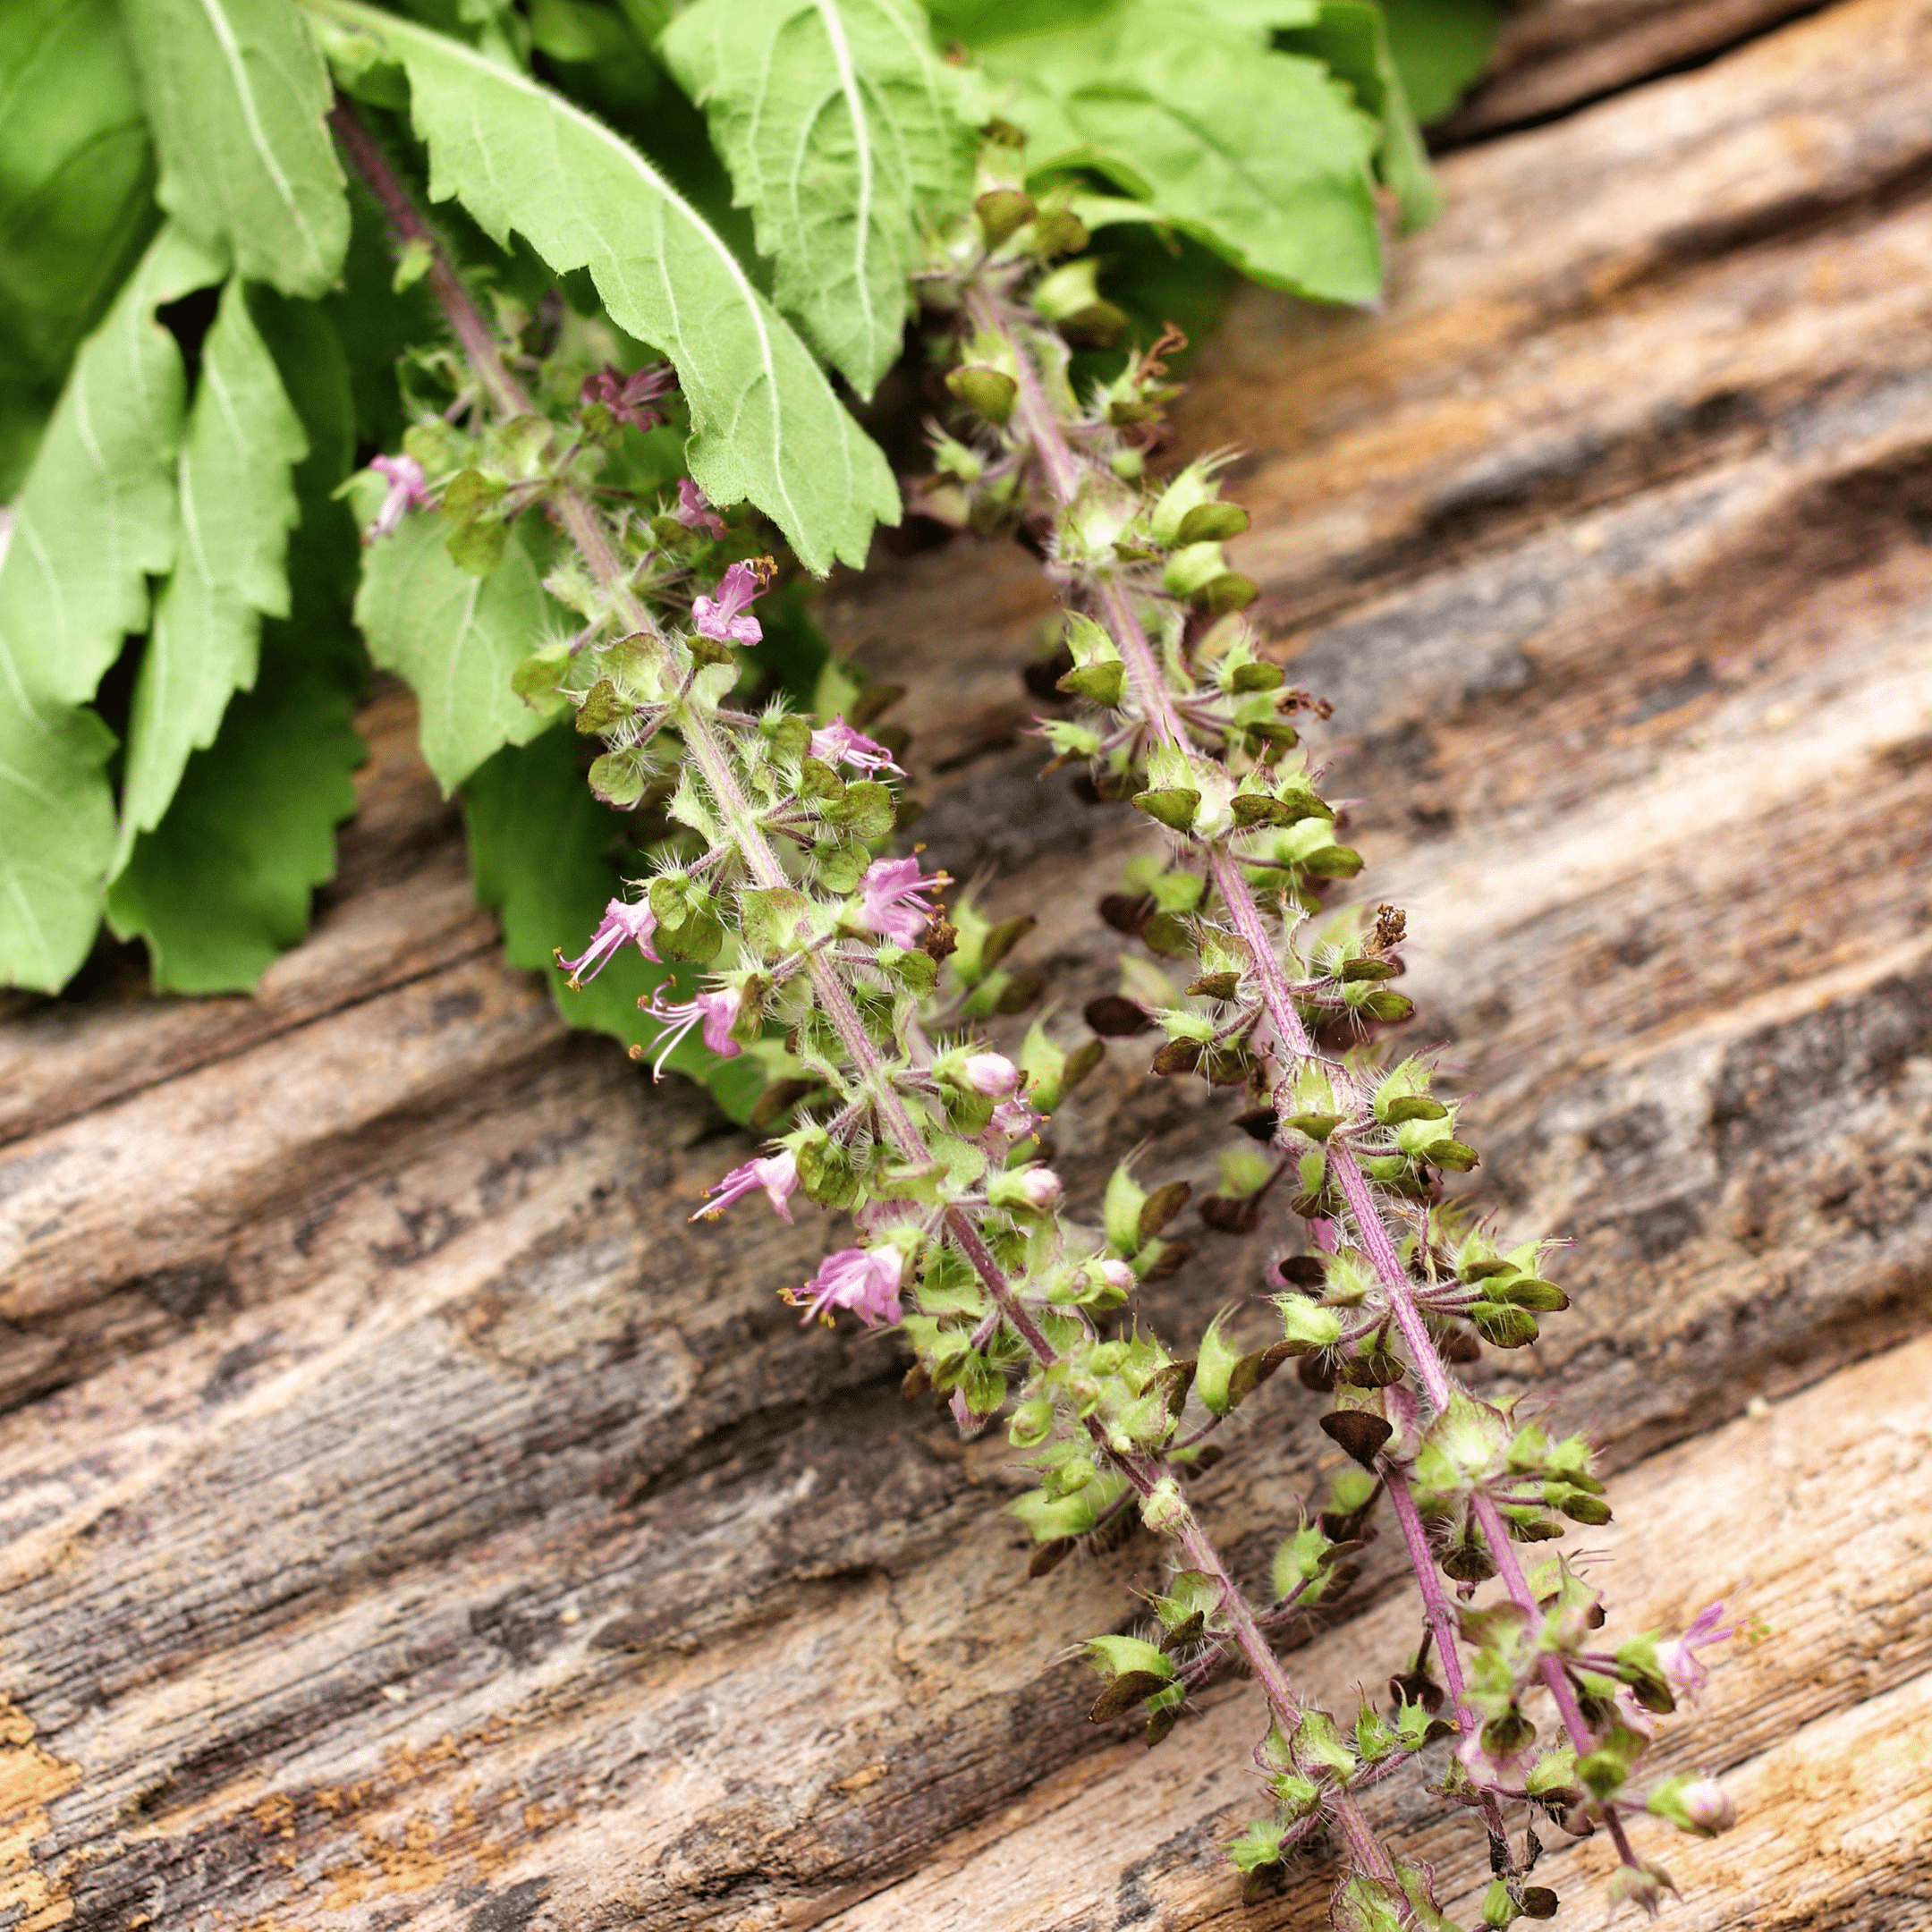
{"x":566,"y":462}
{"x":211,"y":330}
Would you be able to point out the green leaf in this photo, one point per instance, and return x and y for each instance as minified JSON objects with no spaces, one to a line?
{"x":1351,"y":37}
{"x":540,"y":847}
{"x":1258,"y":154}
{"x":223,"y":885}
{"x":236,"y":92}
{"x":95,"y":521}
{"x":765,"y":423}
{"x":236,"y":507}
{"x":455,"y":638}
{"x":1441,"y":48}
{"x":76,"y":174}
{"x":840,"y":127}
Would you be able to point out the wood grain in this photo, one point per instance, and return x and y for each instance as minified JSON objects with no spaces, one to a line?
{"x":410,"y":1519}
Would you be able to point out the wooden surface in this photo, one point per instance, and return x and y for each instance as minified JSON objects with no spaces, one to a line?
{"x":410,"y":1520}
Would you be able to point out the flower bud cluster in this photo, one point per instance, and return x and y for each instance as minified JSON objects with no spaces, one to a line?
{"x":1177,"y":710}
{"x":838,"y":964}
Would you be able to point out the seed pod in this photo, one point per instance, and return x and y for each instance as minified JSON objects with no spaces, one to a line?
{"x":1126,"y":913}
{"x":1114,"y":1016}
{"x":1362,"y":1435}
{"x":1177,"y":1056}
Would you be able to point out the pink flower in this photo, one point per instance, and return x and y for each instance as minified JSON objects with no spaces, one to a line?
{"x":1042,"y":1188}
{"x":623,"y":925}
{"x":717,"y":617}
{"x":893,"y":906}
{"x":1684,"y":1670}
{"x":1013,"y":1119}
{"x":694,"y":512}
{"x":624,"y":396}
{"x":1117,"y":1274}
{"x":777,"y":1176}
{"x":1708,"y":1806}
{"x":837,"y":743}
{"x":718,"y":1012}
{"x":865,"y":1280}
{"x":408,"y":491}
{"x":991,"y":1075}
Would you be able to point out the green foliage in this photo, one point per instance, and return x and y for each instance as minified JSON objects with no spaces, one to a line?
{"x":236,"y":92}
{"x":1351,"y":38}
{"x":76,"y":172}
{"x":841,"y":128}
{"x":456,"y":638}
{"x":236,"y":505}
{"x":1440,"y":48}
{"x":541,"y":849}
{"x":766,"y":424}
{"x":1186,"y":108}
{"x":223,"y":883}
{"x":96,"y":519}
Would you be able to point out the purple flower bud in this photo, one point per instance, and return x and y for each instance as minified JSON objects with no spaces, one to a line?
{"x":837,"y":743}
{"x":625,"y":396}
{"x":777,"y":1176}
{"x":865,"y":1280}
{"x":1708,"y":1806}
{"x":1042,"y":1188}
{"x":892,"y":905}
{"x":408,"y":491}
{"x":623,"y":925}
{"x":717,"y":1011}
{"x":718,"y":617}
{"x":991,"y":1075}
{"x":1117,"y":1274}
{"x":694,"y":512}
{"x":1684,"y":1670}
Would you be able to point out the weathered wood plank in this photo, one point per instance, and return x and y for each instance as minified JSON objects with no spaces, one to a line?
{"x":1552,"y":56}
{"x":410,"y":1520}
{"x":1811,"y":1520}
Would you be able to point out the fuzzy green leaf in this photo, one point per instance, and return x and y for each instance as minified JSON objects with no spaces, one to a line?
{"x":223,"y":883}
{"x":1185,"y":105}
{"x":236,"y":92}
{"x":236,"y":506}
{"x":1350,"y":38}
{"x":455,"y":638}
{"x":765,"y":423}
{"x":96,"y":519}
{"x":540,"y":850}
{"x":75,"y":204}
{"x":839,"y":126}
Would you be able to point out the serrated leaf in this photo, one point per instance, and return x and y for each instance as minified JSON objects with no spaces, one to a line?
{"x":223,"y":886}
{"x":1260,"y":155}
{"x":766,"y":424}
{"x":457,"y":639}
{"x":95,"y":521}
{"x":839,"y":126}
{"x":539,"y":851}
{"x":223,"y":883}
{"x":76,"y":173}
{"x":1351,"y":38}
{"x":237,"y":91}
{"x":236,"y":505}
